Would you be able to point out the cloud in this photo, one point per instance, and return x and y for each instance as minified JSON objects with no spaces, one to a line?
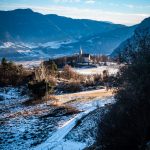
{"x":136,"y":6}
{"x":67,"y":1}
{"x":90,"y":1}
{"x":129,"y":5}
{"x":75,"y":1}
{"x":113,"y":4}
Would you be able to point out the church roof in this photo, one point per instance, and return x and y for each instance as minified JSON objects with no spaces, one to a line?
{"x":85,"y":55}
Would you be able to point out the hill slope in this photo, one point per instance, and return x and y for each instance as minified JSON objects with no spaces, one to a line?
{"x":143,"y":29}
{"x":27,"y":35}
{"x":26,"y":25}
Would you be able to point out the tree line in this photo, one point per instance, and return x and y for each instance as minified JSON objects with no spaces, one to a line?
{"x":126,"y":126}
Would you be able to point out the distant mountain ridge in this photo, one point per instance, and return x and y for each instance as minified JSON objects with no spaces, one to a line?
{"x":143,"y":29}
{"x":105,"y":43}
{"x":26,"y":25}
{"x":25,"y":34}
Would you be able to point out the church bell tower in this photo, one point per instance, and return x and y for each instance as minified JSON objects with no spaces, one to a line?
{"x":81,"y":51}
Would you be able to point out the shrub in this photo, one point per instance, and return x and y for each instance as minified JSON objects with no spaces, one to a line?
{"x":12,"y":74}
{"x":89,"y":81}
{"x":46,"y":71}
{"x":97,"y":79}
{"x":72,"y":86}
{"x":105,"y":76}
{"x":68,"y":73}
{"x":39,"y":89}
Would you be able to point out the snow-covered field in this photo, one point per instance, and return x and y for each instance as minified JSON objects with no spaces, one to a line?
{"x":77,"y":136}
{"x":99,"y":70}
{"x":26,"y":127}
{"x":51,"y":44}
{"x":30,"y":64}
{"x":34,"y":51}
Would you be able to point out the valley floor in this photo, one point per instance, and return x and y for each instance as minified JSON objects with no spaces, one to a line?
{"x":34,"y":126}
{"x":112,"y":69}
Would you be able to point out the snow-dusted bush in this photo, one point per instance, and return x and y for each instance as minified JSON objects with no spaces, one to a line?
{"x":12,"y":74}
{"x":71,"y":86}
{"x":39,"y":89}
{"x":68,"y":73}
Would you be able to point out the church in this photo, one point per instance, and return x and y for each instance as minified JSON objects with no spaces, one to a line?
{"x":84,"y":57}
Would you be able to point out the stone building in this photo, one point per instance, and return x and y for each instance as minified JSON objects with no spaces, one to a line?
{"x":84,"y":57}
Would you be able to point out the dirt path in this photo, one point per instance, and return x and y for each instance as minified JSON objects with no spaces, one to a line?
{"x":86,"y":95}
{"x":57,"y":138}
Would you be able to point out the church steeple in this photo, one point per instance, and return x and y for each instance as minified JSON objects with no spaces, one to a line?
{"x":81,"y":51}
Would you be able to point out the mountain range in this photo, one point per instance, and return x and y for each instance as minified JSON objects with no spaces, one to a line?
{"x":27,"y":35}
{"x":142,"y":31}
{"x":26,"y":25}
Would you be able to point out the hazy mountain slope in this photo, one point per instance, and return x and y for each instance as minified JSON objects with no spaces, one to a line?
{"x":28,"y":26}
{"x":25,"y":25}
{"x":81,"y":27}
{"x":143,"y":29}
{"x":104,"y":43}
{"x":27,"y":35}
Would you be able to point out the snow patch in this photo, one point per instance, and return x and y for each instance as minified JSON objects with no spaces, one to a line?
{"x":55,"y":44}
{"x":29,"y":64}
{"x":70,"y":145}
{"x":7,"y":45}
{"x":99,"y":70}
{"x":24,"y":51}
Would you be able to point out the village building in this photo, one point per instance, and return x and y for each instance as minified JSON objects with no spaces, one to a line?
{"x":84,"y":57}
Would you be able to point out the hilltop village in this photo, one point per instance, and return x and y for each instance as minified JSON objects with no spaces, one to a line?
{"x":82,"y":59}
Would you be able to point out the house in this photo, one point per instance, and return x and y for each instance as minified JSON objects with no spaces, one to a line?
{"x":84,"y":57}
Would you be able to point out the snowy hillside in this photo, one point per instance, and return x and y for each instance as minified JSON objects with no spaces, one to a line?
{"x":31,"y":127}
{"x":33,"y":36}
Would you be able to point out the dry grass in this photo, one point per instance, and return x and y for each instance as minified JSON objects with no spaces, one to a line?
{"x":52,"y":110}
{"x":50,"y":99}
{"x":57,"y":103}
{"x":26,"y":113}
{"x":63,"y":110}
{"x":88,"y":95}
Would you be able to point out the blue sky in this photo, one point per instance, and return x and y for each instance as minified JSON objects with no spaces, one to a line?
{"x":127,"y":12}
